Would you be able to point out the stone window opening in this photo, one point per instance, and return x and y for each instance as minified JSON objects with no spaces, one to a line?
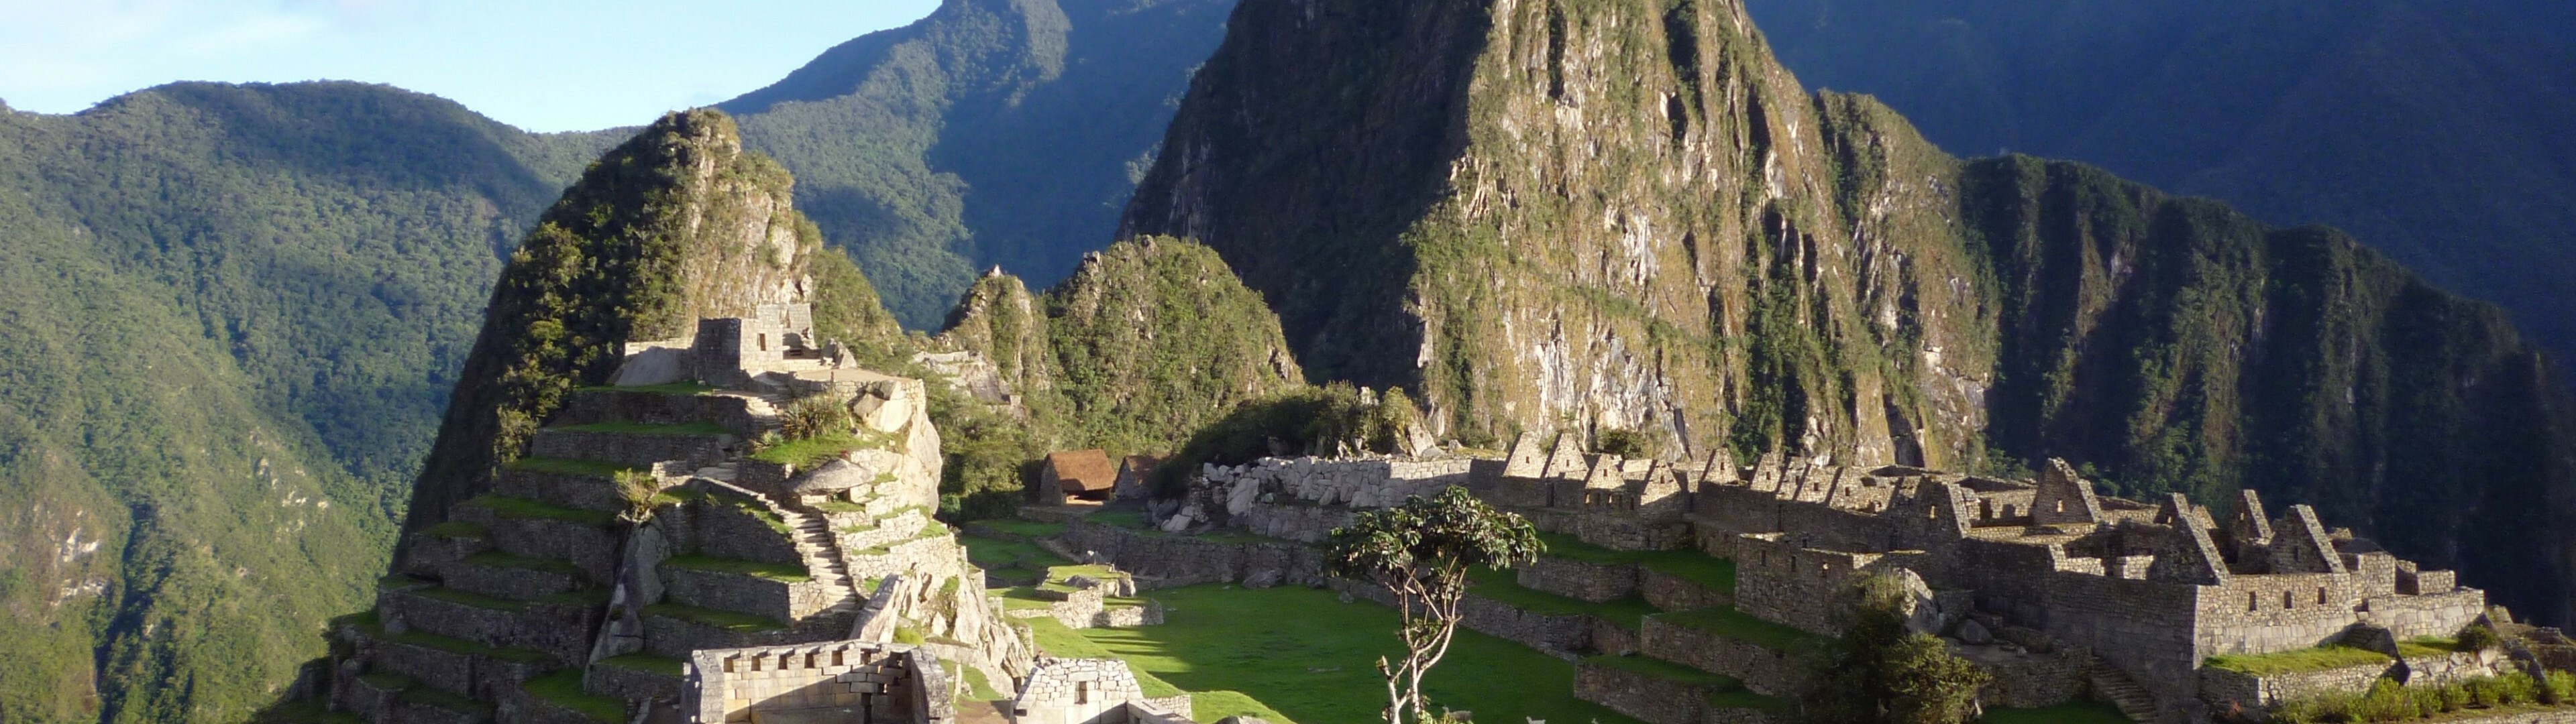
{"x":2321,"y":595}
{"x":836,"y":659}
{"x":1082,"y":692}
{"x":755,"y":663}
{"x":2061,"y":506}
{"x":811,"y":657}
{"x":728,"y":664}
{"x":2253,"y":602}
{"x":763,"y":339}
{"x":2285,"y":601}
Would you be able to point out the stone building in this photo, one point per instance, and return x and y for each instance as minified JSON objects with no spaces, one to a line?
{"x":1077,"y":474}
{"x":840,"y":682}
{"x":1091,"y":691}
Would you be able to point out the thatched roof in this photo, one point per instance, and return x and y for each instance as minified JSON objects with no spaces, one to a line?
{"x":1082,"y":471}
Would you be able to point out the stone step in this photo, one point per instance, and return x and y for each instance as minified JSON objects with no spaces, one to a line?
{"x":2114,"y":685}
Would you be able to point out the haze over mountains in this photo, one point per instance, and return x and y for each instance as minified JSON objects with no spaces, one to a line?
{"x":231,"y":304}
{"x":2440,"y":133}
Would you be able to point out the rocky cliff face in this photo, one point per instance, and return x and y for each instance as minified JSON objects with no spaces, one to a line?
{"x":1558,"y":215}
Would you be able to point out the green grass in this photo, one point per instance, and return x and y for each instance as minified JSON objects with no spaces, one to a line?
{"x":1056,"y":575}
{"x":727,"y":620}
{"x":2290,"y":662}
{"x":1500,"y":586}
{"x":1121,"y":518}
{"x":1026,"y":528}
{"x":979,"y":688}
{"x":667,"y":388}
{"x":525,"y":509}
{"x":2424,"y":646}
{"x":1728,"y":622}
{"x":576,"y":597}
{"x":455,"y":645}
{"x":837,"y":505}
{"x":476,"y":600}
{"x":2082,"y":712}
{"x":811,"y":451}
{"x":780,"y":572}
{"x":563,"y":688}
{"x":1209,"y":706}
{"x":1717,"y":574}
{"x":997,"y":553}
{"x":650,"y":428}
{"x":647,"y":663}
{"x":1668,"y":671}
{"x":498,"y":559}
{"x":444,"y":700}
{"x":1306,"y":655}
{"x":388,"y":681}
{"x":569,"y":466}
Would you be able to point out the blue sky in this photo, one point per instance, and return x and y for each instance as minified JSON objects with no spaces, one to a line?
{"x":542,"y":65}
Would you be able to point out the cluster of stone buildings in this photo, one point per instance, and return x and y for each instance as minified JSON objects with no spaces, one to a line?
{"x":2058,"y":589}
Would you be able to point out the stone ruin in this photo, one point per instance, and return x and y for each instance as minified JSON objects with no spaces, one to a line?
{"x":1091,"y":691}
{"x":2056,"y":588}
{"x":745,"y":589}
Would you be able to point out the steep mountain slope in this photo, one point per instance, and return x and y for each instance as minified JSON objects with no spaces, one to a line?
{"x":2440,"y":133}
{"x":677,"y":224}
{"x":231,"y":311}
{"x":1544,"y":214}
{"x":992,"y":132}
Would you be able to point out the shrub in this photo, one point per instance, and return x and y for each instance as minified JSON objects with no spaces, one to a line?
{"x":2483,"y":691}
{"x":2386,"y":701}
{"x":638,"y":488}
{"x":2517,"y":688}
{"x":2478,"y":637}
{"x":814,"y":416}
{"x":2454,"y":696}
{"x":2560,"y":688}
{"x":1623,"y":443}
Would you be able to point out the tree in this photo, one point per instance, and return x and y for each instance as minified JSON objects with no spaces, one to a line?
{"x":1880,"y":672}
{"x":1422,"y":551}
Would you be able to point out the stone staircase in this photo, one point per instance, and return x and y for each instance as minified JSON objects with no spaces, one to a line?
{"x":2113,"y":685}
{"x":823,"y":559}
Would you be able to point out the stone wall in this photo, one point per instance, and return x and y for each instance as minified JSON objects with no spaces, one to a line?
{"x":1651,"y":699}
{"x":2279,"y":612}
{"x":631,"y":684}
{"x":733,"y":412}
{"x":2222,"y":688}
{"x":723,"y":524}
{"x":846,"y":681}
{"x":1763,"y":671}
{"x":2437,"y":614}
{"x":742,"y":593}
{"x":1162,"y":561}
{"x":2029,"y":679}
{"x":1580,"y":580}
{"x":687,"y":451}
{"x":1667,"y":592}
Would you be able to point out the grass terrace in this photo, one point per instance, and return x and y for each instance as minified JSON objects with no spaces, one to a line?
{"x":455,"y":529}
{"x":1716,"y":574}
{"x":1302,"y":653}
{"x":525,"y":509}
{"x":569,"y":466}
{"x":780,"y":572}
{"x":497,"y":559}
{"x":2080,"y":712}
{"x":2424,"y":646}
{"x":811,"y":451}
{"x":649,"y":428}
{"x":444,"y":700}
{"x":2322,"y":658}
{"x":667,"y":388}
{"x":563,"y":688}
{"x":455,"y":645}
{"x":476,"y":600}
{"x":1024,"y":528}
{"x":1728,"y":622}
{"x":1500,"y":586}
{"x":727,"y":620}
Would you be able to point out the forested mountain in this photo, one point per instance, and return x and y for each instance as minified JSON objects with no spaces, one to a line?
{"x":2440,"y":132}
{"x":994,"y":132}
{"x":233,"y":313}
{"x":1628,"y":215}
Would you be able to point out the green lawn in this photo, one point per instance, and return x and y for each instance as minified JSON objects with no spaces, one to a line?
{"x":563,"y":688}
{"x":1311,"y":658}
{"x":2082,"y":712}
{"x":650,"y":428}
{"x":1025,"y":528}
{"x":1500,"y":586}
{"x":568,"y":466}
{"x":996,"y":553}
{"x":1728,"y":622}
{"x":2423,"y":646}
{"x":525,"y":509}
{"x":1716,"y":574}
{"x":2289,"y":662}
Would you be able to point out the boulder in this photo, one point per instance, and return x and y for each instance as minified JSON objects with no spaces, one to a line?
{"x":1975,"y":634}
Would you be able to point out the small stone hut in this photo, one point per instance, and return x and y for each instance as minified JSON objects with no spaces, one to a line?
{"x":1082,"y":474}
